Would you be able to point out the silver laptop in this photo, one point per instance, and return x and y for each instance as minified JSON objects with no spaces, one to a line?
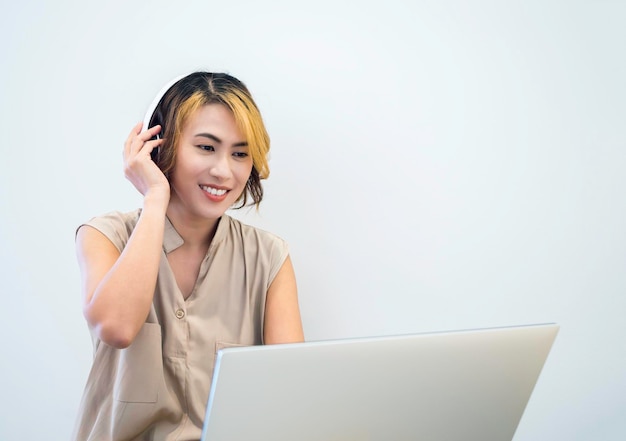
{"x":448,"y":386}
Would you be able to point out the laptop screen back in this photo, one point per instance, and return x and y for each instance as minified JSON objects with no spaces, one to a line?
{"x":463,"y":385}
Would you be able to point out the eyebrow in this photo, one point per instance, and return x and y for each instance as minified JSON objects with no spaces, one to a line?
{"x":219,"y":141}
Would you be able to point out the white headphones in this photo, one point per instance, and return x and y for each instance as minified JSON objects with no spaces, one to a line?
{"x":156,"y":100}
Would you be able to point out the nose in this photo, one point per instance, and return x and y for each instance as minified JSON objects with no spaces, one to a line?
{"x":220,"y":167}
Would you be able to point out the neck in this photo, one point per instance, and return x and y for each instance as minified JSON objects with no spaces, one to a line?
{"x":196,"y":232}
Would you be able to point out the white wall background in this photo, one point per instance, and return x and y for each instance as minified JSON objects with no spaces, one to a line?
{"x":435,"y":165}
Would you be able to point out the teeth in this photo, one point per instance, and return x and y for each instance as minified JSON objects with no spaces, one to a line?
{"x":213,"y":191}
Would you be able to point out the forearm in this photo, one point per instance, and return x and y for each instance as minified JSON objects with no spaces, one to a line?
{"x":121,"y":300}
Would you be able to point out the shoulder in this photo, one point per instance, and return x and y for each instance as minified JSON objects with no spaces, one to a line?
{"x":115,"y":225}
{"x":251,"y":234}
{"x":258,"y":245}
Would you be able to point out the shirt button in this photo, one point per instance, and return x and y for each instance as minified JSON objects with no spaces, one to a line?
{"x":180,"y":313}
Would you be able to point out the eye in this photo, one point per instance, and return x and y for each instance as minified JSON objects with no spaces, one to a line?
{"x":207,"y":148}
{"x":240,"y":155}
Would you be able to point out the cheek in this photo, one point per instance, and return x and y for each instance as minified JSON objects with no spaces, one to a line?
{"x":183,"y":171}
{"x":244,"y":171}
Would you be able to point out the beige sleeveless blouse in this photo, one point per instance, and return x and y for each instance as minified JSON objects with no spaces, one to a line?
{"x":157,"y":388}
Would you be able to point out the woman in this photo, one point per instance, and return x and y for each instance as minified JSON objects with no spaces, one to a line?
{"x":166,"y":286}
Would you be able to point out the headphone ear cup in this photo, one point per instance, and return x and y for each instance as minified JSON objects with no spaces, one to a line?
{"x":154,"y":121}
{"x":154,"y":154}
{"x":157,"y":120}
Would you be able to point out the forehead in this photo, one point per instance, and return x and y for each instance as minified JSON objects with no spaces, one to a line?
{"x":216,"y":119}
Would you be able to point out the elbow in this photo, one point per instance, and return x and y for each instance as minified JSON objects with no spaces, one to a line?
{"x":111,"y":332}
{"x":116,"y":338}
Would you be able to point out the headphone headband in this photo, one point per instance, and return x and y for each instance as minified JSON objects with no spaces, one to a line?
{"x":155,"y":102}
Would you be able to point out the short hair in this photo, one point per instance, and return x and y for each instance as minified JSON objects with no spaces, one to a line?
{"x":198,"y":89}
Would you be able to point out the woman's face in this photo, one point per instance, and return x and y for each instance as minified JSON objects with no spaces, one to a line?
{"x":212,"y":164}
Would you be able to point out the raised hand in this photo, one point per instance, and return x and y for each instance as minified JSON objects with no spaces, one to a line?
{"x":139,"y":168}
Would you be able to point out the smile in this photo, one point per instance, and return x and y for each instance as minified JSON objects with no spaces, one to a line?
{"x":213,"y":191}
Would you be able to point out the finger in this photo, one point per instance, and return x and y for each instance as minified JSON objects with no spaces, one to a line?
{"x":138,"y":141}
{"x":148,"y":146}
{"x":131,"y":136}
{"x":150,"y":133}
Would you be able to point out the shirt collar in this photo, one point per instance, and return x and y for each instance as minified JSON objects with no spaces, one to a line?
{"x":172,"y":240}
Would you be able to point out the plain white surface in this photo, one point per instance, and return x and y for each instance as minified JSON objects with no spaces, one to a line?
{"x":449,"y":386}
{"x":435,"y":165}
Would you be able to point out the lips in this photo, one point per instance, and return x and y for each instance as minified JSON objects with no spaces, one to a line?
{"x":214,"y":194}
{"x":213,"y":190}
